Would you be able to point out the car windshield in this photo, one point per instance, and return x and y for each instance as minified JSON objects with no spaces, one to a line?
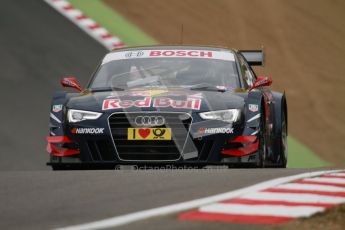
{"x":170,"y":72}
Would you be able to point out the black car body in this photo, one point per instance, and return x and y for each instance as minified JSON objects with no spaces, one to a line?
{"x":170,"y":105}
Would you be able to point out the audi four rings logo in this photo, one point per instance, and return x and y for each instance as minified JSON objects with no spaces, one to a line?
{"x":149,"y":120}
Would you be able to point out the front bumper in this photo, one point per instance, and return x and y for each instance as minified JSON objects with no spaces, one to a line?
{"x":111,"y":147}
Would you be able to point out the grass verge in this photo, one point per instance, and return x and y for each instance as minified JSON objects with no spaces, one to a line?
{"x":333,"y":218}
{"x":113,"y":22}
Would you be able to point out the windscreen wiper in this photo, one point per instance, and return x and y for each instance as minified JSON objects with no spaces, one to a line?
{"x":208,"y":88}
{"x":107,"y":89}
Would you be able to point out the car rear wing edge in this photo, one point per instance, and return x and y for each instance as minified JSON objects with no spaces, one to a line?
{"x":254,"y":57}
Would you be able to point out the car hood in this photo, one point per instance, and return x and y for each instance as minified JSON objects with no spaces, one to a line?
{"x":157,"y":99}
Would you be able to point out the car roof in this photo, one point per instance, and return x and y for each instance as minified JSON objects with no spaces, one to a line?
{"x":175,"y":47}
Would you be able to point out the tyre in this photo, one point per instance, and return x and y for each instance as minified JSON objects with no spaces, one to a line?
{"x":260,"y":162}
{"x":283,"y":145}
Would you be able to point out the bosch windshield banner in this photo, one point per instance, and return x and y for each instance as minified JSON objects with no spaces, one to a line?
{"x":209,"y":54}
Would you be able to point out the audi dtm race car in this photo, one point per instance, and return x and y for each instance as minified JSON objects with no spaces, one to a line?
{"x":170,"y":106}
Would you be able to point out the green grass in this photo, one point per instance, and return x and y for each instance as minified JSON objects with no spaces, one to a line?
{"x":113,"y":22}
{"x":299,"y":155}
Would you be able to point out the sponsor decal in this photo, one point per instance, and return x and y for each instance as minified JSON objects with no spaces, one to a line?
{"x":149,"y":120}
{"x":57,"y":108}
{"x":134,"y":54}
{"x":118,"y":103}
{"x":177,"y":104}
{"x":253,"y":108}
{"x":215,"y":130}
{"x":162,"y":102}
{"x":149,"y":134}
{"x":207,"y":54}
{"x":180,"y":53}
{"x":87,"y":130}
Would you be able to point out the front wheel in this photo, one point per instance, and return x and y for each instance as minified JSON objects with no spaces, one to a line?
{"x":283,"y":145}
{"x":260,"y":161}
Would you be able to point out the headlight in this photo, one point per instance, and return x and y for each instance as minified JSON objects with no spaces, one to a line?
{"x":74,"y":115}
{"x":230,"y":115}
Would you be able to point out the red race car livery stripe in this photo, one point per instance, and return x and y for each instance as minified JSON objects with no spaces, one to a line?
{"x":59,"y":151}
{"x":242,"y":151}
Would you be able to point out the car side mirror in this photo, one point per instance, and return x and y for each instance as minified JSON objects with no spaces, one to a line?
{"x":71,"y":82}
{"x":261,"y":81}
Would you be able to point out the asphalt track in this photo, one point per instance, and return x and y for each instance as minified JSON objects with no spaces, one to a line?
{"x":37,"y":47}
{"x":45,"y":200}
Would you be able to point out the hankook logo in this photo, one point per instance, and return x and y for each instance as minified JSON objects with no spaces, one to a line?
{"x":87,"y":130}
{"x":149,"y":120}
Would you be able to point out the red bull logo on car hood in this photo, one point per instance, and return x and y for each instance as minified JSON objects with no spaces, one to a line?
{"x":161,"y":102}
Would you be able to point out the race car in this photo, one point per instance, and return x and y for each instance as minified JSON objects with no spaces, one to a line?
{"x":179,"y":106}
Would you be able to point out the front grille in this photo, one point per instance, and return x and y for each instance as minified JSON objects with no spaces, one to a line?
{"x":204,"y":148}
{"x":150,"y":150}
{"x":101,"y":150}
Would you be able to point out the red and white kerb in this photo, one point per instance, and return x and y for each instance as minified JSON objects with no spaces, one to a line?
{"x":276,"y":204}
{"x":87,"y":24}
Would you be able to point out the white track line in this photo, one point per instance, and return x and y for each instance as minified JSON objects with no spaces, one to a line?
{"x":262,"y":210}
{"x":87,"y":24}
{"x":337,"y":174}
{"x":327,"y":180}
{"x":311,"y":187}
{"x":179,"y":207}
{"x":301,"y":198}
